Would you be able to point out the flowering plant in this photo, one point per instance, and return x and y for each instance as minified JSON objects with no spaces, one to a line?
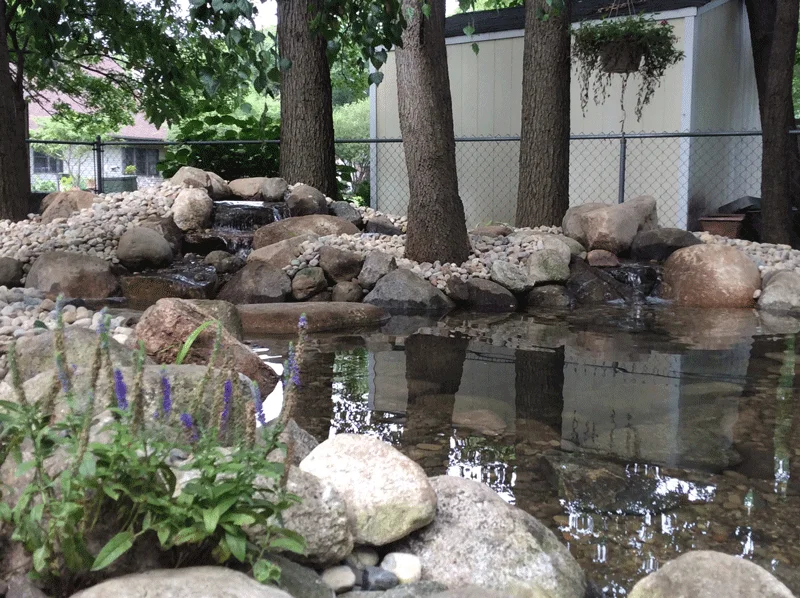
{"x":195,"y":480}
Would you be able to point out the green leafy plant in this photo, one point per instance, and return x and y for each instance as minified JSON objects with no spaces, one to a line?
{"x":66,"y":183}
{"x":600,"y":49}
{"x":118,"y":481}
{"x":44,"y":186}
{"x":130,"y":169}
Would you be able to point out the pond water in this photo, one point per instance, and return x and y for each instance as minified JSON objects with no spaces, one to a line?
{"x":634,"y":433}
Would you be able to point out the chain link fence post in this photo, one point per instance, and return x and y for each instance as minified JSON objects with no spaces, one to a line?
{"x":98,"y":163}
{"x":623,"y":157}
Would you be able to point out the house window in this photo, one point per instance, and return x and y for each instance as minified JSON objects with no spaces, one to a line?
{"x":42,"y":164}
{"x":143,"y":158}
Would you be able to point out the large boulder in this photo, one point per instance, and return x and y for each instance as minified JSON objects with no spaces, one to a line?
{"x":610,"y":227}
{"x":167,"y":228}
{"x":317,"y":224}
{"x":350,"y":292}
{"x":509,"y":551}
{"x":709,"y":574}
{"x":36,"y":353}
{"x":781,"y":292}
{"x":10,"y":272}
{"x":549,"y":296}
{"x":75,"y":275}
{"x":514,"y":277}
{"x":489,"y":297}
{"x":391,"y":497}
{"x":224,"y":262}
{"x":223,"y":311}
{"x":191,"y":582}
{"x":548,"y":265}
{"x":63,"y":204}
{"x":381,"y":225}
{"x":274,"y":189}
{"x":377,"y":265}
{"x":257,"y":283}
{"x":279,"y":255}
{"x":340,"y":265}
{"x":660,"y":243}
{"x":711,"y":276}
{"x":165,"y":326}
{"x":281,"y":318}
{"x":346,"y":211}
{"x":192,"y":210}
{"x":308,"y":282}
{"x":140,"y":247}
{"x":320,"y":517}
{"x":402,"y":291}
{"x":213,"y":184}
{"x":305,"y":200}
{"x":248,"y":189}
{"x":590,"y":285}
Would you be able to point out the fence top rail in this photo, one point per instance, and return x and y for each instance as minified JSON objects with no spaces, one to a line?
{"x":579,"y":137}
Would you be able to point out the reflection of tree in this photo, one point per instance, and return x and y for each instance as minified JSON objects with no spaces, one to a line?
{"x":783,"y":417}
{"x":434,"y":366}
{"x":313,"y":410}
{"x":540,"y":386}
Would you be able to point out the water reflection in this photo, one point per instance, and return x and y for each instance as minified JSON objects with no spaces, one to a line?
{"x":634,"y":434}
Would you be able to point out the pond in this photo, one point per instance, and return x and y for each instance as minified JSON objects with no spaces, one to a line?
{"x":634,"y":433}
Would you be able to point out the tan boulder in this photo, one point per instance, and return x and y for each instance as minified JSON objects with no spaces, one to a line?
{"x":214,"y":185}
{"x":280,"y":254}
{"x":63,"y":204}
{"x":166,"y":325}
{"x":75,"y":275}
{"x":264,"y":319}
{"x":248,"y":189}
{"x":315,"y":224}
{"x":610,"y":227}
{"x":711,"y":276}
{"x":192,"y":209}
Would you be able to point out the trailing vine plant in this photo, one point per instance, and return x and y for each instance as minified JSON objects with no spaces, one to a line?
{"x":630,"y":45}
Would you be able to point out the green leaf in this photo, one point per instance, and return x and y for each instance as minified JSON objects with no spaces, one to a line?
{"x":426,"y":10}
{"x":39,"y":324}
{"x":285,"y":64}
{"x":238,"y":545}
{"x":210,"y":520}
{"x":376,"y":78}
{"x":163,"y":536}
{"x":25,"y":468}
{"x":475,"y":48}
{"x":469,"y":30}
{"x":88,"y":466}
{"x":115,"y":548}
{"x":264,"y":571}
{"x":189,"y":535}
{"x":190,"y":340}
{"x":292,"y":544}
{"x":40,"y":559}
{"x":37,"y":512}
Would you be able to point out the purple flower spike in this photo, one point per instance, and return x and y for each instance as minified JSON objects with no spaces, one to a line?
{"x":166,"y":393}
{"x":258,"y":403}
{"x":62,"y":372}
{"x":302,"y":323}
{"x":120,"y":390}
{"x":188,"y":424}
{"x":226,"y":399}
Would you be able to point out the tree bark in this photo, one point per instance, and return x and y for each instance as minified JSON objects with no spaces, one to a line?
{"x":543,"y":195}
{"x":307,"y":147}
{"x":773,"y":31}
{"x":436,"y":222}
{"x":14,"y":176}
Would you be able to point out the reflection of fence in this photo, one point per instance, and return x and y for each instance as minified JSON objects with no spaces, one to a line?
{"x":690,"y":174}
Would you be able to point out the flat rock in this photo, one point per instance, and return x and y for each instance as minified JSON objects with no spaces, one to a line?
{"x":510,"y":551}
{"x":281,"y":318}
{"x":402,"y":291}
{"x":280,"y":254}
{"x":392,"y":497}
{"x":381,"y":225}
{"x":660,"y":243}
{"x":75,"y":275}
{"x":709,"y":574}
{"x":191,"y":582}
{"x":492,"y":230}
{"x":257,"y":283}
{"x":711,"y":276}
{"x":248,"y":189}
{"x":781,"y":292}
{"x":490,"y":297}
{"x":317,"y":224}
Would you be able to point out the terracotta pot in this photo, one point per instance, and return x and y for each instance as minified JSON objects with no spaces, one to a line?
{"x":621,"y":56}
{"x":729,"y":225}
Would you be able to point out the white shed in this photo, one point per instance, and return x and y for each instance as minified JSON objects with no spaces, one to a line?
{"x":712,"y":89}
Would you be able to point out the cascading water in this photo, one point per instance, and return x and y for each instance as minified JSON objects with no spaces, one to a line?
{"x":234,"y":223}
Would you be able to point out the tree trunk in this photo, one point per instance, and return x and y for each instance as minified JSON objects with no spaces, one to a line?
{"x":543,"y":195}
{"x":14,"y":176}
{"x":436,"y":223}
{"x":773,"y":31}
{"x":307,"y":148}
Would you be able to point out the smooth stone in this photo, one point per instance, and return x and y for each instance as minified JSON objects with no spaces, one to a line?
{"x":19,"y":586}
{"x":514,"y":277}
{"x":381,"y":225}
{"x":224,"y":262}
{"x":140,"y":247}
{"x":407,"y":567}
{"x":317,"y":224}
{"x":422,"y":589}
{"x":600,"y":258}
{"x":346,"y":211}
{"x":274,"y":188}
{"x":548,"y":265}
{"x":192,"y":210}
{"x":376,"y":578}
{"x":489,"y":297}
{"x":299,"y":581}
{"x":279,"y":255}
{"x":305,"y":200}
{"x":339,"y":579}
{"x":308,"y":282}
{"x":402,"y":291}
{"x":257,"y":283}
{"x":781,"y":292}
{"x":349,"y":292}
{"x":477,"y":592}
{"x":10,"y":272}
{"x":75,"y":275}
{"x":610,"y":227}
{"x":492,"y":230}
{"x":660,"y":243}
{"x":212,"y":183}
{"x":281,"y":318}
{"x":363,"y":556}
{"x":63,"y":204}
{"x":376,"y":265}
{"x":248,"y":189}
{"x":340,"y":265}
{"x":551,"y":296}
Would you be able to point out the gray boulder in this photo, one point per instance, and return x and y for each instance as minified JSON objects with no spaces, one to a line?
{"x":610,"y":227}
{"x":402,"y":291}
{"x":660,"y":243}
{"x":509,"y":551}
{"x":274,"y":189}
{"x":305,"y":200}
{"x":224,"y":262}
{"x":167,"y":228}
{"x":392,"y":496}
{"x":489,"y":297}
{"x":141,"y":247}
{"x":10,"y":272}
{"x":514,"y":277}
{"x":223,"y":311}
{"x":590,"y":285}
{"x":548,"y":265}
{"x":279,"y":255}
{"x":248,"y":189}
{"x":192,"y":209}
{"x":381,"y":225}
{"x":191,"y":582}
{"x":346,"y":211}
{"x":709,"y":574}
{"x":316,"y":224}
{"x":75,"y":275}
{"x":308,"y":282}
{"x":340,"y":265}
{"x":300,"y":581}
{"x":257,"y":283}
{"x":781,"y":292}
{"x":551,"y":295}
{"x":377,"y":265}
{"x":348,"y":292}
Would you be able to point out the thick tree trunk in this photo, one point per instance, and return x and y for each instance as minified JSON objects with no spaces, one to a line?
{"x":436,"y":223}
{"x":543,"y":195}
{"x":307,"y":148}
{"x":14,"y":175}
{"x":773,"y":30}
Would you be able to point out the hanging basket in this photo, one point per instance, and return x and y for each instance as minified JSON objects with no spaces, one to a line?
{"x":623,"y":56}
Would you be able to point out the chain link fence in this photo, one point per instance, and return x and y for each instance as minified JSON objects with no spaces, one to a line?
{"x":690,"y":174}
